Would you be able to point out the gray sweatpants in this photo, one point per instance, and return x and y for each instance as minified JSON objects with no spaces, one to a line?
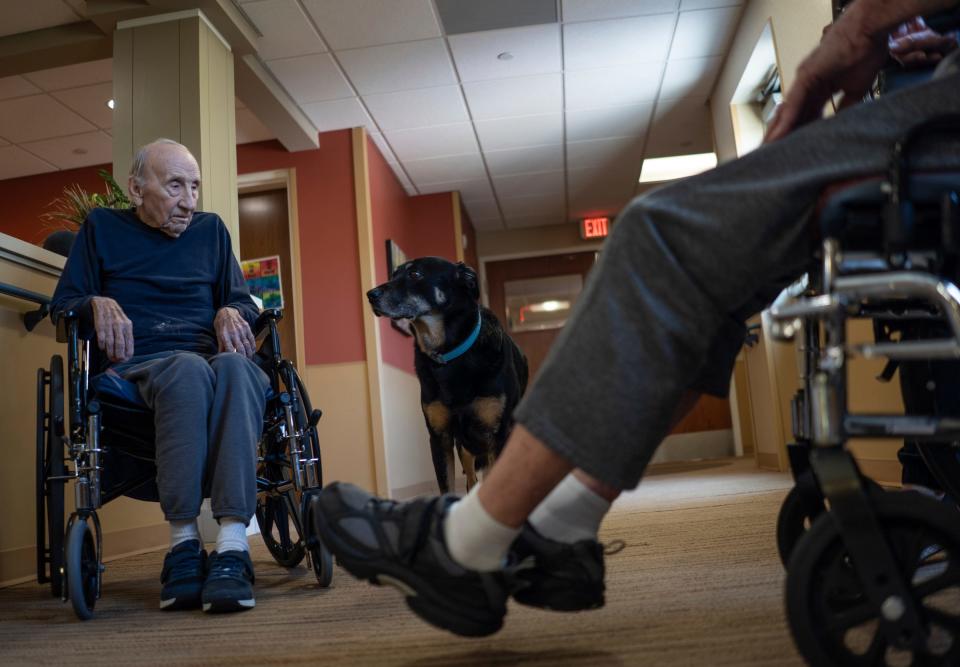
{"x":208,"y":415}
{"x":663,"y":310}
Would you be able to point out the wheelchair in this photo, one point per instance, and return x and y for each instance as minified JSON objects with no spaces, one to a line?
{"x":874,"y":577}
{"x":101,"y":439}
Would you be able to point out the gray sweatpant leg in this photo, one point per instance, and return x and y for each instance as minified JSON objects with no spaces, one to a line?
{"x":663,"y":310}
{"x":208,"y":415}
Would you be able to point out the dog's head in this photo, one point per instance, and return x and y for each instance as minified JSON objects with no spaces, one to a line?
{"x":428,"y":285}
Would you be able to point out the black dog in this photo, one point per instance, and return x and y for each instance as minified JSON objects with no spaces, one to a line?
{"x":471,"y":374}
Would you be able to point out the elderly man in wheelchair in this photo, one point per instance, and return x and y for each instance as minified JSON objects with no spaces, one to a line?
{"x":160,"y":290}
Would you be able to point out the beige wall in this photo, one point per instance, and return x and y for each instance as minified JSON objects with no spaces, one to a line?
{"x":797,"y":26}
{"x":128,"y":525}
{"x":407,"y":443}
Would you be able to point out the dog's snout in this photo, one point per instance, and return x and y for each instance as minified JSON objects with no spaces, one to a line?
{"x":374,"y":294}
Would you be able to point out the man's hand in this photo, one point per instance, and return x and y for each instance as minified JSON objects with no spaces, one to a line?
{"x":847,"y":60}
{"x":114,"y":328}
{"x":233,"y":332}
{"x":914,"y":44}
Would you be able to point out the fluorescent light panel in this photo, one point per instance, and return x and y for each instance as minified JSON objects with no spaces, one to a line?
{"x":660,"y":169}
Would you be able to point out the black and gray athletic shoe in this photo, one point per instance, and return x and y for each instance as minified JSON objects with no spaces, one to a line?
{"x":184,"y":568}
{"x":229,"y":584}
{"x":402,"y":545}
{"x":555,"y":575}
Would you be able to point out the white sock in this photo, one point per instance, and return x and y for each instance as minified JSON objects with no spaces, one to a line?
{"x":232,"y":536}
{"x":572,"y":512}
{"x":475,"y":539}
{"x":183,"y":531}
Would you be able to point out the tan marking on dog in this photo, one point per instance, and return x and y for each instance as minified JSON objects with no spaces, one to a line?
{"x":429,"y":332}
{"x":469,"y":466}
{"x":438,"y":416}
{"x":489,"y":410}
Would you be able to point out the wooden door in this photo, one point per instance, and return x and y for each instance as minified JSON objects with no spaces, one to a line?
{"x":264,"y":232}
{"x":709,"y":414}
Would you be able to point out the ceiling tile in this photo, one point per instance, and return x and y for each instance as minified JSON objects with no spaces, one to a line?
{"x":594,"y":10}
{"x":522,"y":160}
{"x":418,"y":108}
{"x":520,"y":131}
{"x":603,"y":184}
{"x":477,"y":189}
{"x":518,"y":96}
{"x":434,"y":141}
{"x":487,"y":225}
{"x":690,"y":78}
{"x":460,"y":16}
{"x":38,"y":117}
{"x":348,"y":24}
{"x":550,"y":183}
{"x":628,"y":41}
{"x":540,"y":220}
{"x":589,"y":206}
{"x":4,"y":142}
{"x":79,"y":150}
{"x":337,"y":114}
{"x":16,"y":86}
{"x":383,"y":146}
{"x":605,"y":153}
{"x":73,"y":76}
{"x":90,"y":102}
{"x":483,"y":209}
{"x":680,"y":128}
{"x":444,"y":169}
{"x":547,"y":205}
{"x":705,"y":32}
{"x":286,"y":30}
{"x":588,"y":124}
{"x":613,"y":86}
{"x":405,"y":181}
{"x":534,"y":50}
{"x":314,"y":78}
{"x":26,"y":16}
{"x":687,"y":5}
{"x":385,"y":69}
{"x":250,"y":129}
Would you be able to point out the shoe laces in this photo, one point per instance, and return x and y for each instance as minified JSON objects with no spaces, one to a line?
{"x":182,"y":565}
{"x":227,"y":566}
{"x":399,"y":513}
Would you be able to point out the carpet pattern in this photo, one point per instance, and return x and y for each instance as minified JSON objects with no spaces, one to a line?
{"x":698,"y":583}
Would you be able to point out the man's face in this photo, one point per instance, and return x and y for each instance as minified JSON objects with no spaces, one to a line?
{"x":168,"y":194}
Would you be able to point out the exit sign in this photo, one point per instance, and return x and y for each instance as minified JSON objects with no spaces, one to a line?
{"x":594,"y":228}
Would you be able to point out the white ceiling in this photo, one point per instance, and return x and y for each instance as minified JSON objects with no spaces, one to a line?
{"x":556,"y":132}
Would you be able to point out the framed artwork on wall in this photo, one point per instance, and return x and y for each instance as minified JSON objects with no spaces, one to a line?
{"x":396,"y":257}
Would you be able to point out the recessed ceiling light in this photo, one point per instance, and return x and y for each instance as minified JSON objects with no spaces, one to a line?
{"x":506,"y":55}
{"x":660,"y":169}
{"x":111,"y":103}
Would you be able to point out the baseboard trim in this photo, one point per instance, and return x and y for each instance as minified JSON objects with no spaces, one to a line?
{"x":18,"y":566}
{"x":768,"y":461}
{"x":414,"y":490}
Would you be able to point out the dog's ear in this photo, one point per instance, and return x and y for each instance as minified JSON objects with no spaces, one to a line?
{"x":468,"y":278}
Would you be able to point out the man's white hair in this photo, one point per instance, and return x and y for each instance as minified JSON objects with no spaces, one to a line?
{"x":139,"y":163}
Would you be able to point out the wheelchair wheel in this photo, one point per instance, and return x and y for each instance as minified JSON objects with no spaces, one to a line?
{"x":944,"y":464}
{"x":82,"y":566}
{"x":832,"y":620}
{"x":312,"y":445}
{"x":279,"y":519}
{"x":50,"y":502}
{"x":797,"y":514}
{"x":320,"y":557}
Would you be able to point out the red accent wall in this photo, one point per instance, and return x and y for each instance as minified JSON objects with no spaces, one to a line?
{"x":421,"y":226}
{"x":330,"y":265}
{"x":470,"y":252}
{"x":26,"y":198}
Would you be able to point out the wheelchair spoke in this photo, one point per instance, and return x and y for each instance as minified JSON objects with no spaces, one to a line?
{"x":851,"y":617}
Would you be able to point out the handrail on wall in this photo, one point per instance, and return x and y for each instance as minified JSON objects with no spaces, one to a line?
{"x":31,"y":319}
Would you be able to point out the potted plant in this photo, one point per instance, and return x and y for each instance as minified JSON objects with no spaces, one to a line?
{"x":71,"y":208}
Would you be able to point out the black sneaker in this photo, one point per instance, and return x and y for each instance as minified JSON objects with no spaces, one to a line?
{"x":555,"y":575}
{"x":229,"y":584}
{"x":182,"y":576}
{"x":401,"y":544}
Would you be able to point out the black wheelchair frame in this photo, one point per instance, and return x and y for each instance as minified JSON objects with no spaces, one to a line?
{"x":108,"y":461}
{"x":864,"y":567}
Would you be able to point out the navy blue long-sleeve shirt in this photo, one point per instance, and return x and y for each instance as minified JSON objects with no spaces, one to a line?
{"x":170,"y":288}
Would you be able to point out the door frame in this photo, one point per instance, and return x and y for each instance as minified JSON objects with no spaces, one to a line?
{"x":484,"y":287}
{"x":276,"y":179}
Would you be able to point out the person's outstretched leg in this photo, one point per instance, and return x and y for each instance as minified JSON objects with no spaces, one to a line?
{"x":236,"y":420}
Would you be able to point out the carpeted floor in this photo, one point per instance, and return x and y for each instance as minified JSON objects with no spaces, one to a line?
{"x":699,"y":583}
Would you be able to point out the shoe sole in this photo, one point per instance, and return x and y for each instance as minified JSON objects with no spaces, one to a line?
{"x":226,"y":606}
{"x":178,"y":604}
{"x":571,"y":602}
{"x":422,"y":598}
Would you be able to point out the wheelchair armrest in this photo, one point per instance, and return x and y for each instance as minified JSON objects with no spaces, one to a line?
{"x":269,"y":315}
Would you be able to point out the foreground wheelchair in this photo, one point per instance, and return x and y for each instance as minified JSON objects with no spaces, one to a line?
{"x":101,"y":438}
{"x":874,"y":577}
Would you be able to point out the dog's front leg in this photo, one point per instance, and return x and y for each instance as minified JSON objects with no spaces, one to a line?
{"x":469,"y":466}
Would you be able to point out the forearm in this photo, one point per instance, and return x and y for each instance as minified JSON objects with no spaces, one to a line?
{"x":877,"y":18}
